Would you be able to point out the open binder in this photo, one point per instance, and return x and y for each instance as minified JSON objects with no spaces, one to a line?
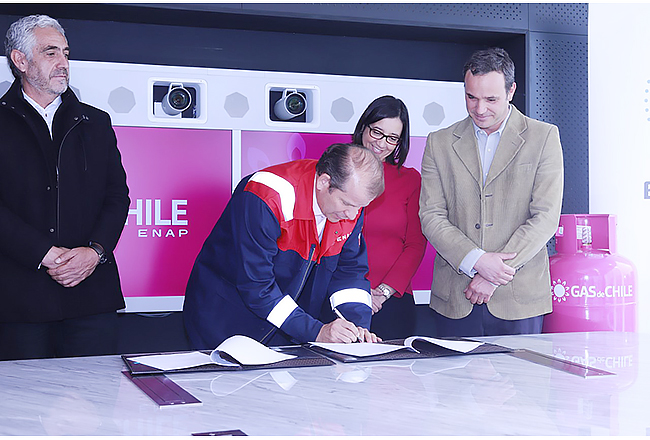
{"x":306,"y":355}
{"x":423,"y":350}
{"x":303,"y":358}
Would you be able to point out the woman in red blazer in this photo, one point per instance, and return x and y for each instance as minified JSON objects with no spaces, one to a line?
{"x":392,"y":226}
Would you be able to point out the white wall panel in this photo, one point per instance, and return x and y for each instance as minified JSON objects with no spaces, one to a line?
{"x":619,"y":131}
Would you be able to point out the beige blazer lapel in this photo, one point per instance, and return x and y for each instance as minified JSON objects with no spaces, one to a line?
{"x":509,"y":145}
{"x":466,"y":149}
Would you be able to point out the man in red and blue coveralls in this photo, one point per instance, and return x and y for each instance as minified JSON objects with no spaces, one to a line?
{"x":289,"y":242}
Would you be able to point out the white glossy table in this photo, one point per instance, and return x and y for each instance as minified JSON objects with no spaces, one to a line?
{"x":464,"y":395}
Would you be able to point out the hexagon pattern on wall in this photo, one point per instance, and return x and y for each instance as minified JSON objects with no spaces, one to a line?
{"x":76,"y":92}
{"x":121,"y":100}
{"x":236,"y":105}
{"x":4,"y":86}
{"x":342,"y":109}
{"x":433,"y":113}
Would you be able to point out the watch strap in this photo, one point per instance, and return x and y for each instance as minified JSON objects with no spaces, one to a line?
{"x":100,"y":251}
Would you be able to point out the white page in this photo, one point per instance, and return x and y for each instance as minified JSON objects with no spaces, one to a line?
{"x":168,"y":362}
{"x":243,"y":349}
{"x":461,"y":346}
{"x":216,"y":358}
{"x":358,"y":349}
{"x":248,"y":351}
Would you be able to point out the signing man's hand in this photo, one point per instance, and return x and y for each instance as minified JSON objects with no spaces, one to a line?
{"x":341,"y":330}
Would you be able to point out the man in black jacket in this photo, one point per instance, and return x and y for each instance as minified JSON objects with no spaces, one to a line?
{"x":63,"y":205}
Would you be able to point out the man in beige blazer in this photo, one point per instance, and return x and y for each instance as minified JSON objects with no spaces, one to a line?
{"x":490,"y":201}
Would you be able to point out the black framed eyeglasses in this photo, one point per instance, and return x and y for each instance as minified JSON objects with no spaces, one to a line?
{"x":377,"y":134}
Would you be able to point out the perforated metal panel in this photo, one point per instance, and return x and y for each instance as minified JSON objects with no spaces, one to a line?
{"x":558,"y":93}
{"x":559,"y":17}
{"x":499,"y":15}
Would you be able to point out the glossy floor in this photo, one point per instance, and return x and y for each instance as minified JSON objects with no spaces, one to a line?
{"x":462,"y":395}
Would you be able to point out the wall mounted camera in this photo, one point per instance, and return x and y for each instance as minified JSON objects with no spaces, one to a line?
{"x":178,"y":99}
{"x":292,"y":104}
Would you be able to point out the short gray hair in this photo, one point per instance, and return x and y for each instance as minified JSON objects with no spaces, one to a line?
{"x":20,"y":36}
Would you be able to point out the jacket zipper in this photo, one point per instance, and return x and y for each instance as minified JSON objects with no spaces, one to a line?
{"x":58,"y":164}
{"x":304,"y":277}
{"x":302,"y":284}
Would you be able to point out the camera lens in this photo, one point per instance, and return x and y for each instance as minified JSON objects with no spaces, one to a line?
{"x":291,"y":105}
{"x":295,"y":104}
{"x":179,"y":99}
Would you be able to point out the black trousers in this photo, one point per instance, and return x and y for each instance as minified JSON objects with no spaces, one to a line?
{"x":396,"y":319}
{"x":480,"y":322}
{"x":85,"y":336}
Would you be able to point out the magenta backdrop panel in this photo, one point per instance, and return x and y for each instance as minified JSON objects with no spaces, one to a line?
{"x":260,"y":149}
{"x":424,"y":275}
{"x":179,"y":182}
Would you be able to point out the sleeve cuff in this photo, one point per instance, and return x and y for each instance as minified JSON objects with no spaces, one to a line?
{"x":467,"y":265}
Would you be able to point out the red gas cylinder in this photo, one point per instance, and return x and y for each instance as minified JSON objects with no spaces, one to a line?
{"x":592,"y":287}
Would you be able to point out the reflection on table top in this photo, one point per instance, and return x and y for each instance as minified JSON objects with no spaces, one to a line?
{"x":462,"y":395}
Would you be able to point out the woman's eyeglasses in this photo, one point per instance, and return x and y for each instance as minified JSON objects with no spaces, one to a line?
{"x":377,"y":134}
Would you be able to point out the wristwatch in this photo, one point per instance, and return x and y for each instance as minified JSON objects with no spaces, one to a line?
{"x":385,"y":291}
{"x":100,"y":251}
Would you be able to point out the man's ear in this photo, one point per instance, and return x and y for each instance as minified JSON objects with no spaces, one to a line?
{"x":19,"y":59}
{"x":511,"y":92}
{"x":323,"y":182}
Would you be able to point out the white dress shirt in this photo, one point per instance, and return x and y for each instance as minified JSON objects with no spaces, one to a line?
{"x":48,"y":112}
{"x":318,"y":214}
{"x":487,"y":148}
